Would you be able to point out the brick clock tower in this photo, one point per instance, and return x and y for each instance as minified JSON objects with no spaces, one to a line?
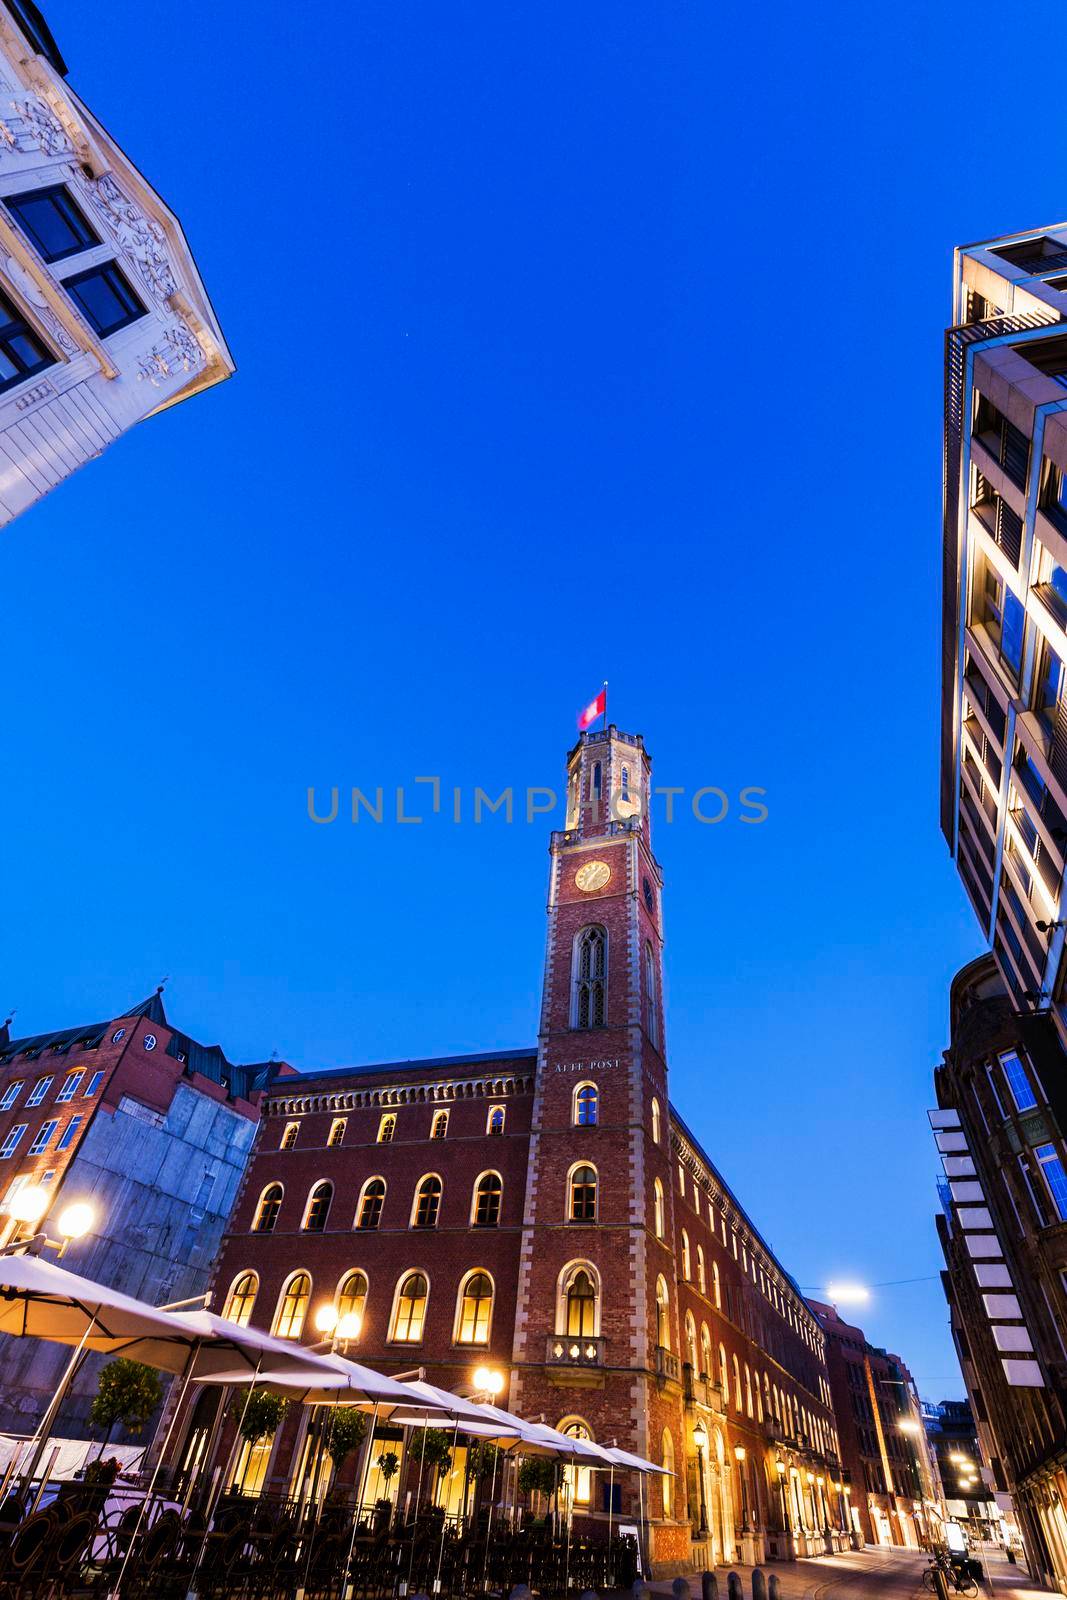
{"x":597,"y":1335}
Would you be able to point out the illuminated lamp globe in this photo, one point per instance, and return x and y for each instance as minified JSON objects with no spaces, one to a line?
{"x":488,"y":1381}
{"x":350,"y":1325}
{"x":326,"y":1318}
{"x":30,"y":1204}
{"x":75,"y":1220}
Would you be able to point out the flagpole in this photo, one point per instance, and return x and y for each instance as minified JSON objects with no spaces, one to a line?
{"x":605,"y":704}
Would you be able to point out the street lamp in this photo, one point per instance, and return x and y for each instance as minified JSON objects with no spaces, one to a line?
{"x":28,"y":1208}
{"x":337,"y":1329}
{"x":848,"y":1294}
{"x":700,"y":1439}
{"x":739,"y":1456}
{"x":780,"y":1469}
{"x":909,"y":1425}
{"x":488,"y":1383}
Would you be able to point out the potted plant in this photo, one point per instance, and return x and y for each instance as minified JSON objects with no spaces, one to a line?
{"x":127,"y":1392}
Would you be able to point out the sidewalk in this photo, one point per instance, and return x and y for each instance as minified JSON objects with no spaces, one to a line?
{"x":857,"y":1574}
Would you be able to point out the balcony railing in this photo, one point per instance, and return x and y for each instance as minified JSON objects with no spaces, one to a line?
{"x":700,"y":1390}
{"x":563,"y":1350}
{"x":668,"y":1364}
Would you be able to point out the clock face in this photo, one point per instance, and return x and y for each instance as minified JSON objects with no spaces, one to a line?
{"x":593,"y":875}
{"x":650,"y":899}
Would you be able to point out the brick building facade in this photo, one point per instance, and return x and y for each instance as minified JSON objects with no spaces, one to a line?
{"x":153,"y":1131}
{"x":883,"y":1445}
{"x":548,"y":1213}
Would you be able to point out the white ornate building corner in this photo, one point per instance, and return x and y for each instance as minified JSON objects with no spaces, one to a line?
{"x":113,"y":327}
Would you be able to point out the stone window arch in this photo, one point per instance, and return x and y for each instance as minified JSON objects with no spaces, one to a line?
{"x":579,"y":1479}
{"x":409,"y":1308}
{"x":657,"y":1209}
{"x":702,"y":1272}
{"x":317,"y":1210}
{"x":486,"y":1200}
{"x":371,"y":1201}
{"x":651,"y":1004}
{"x":691,"y":1342}
{"x":586,"y":1105}
{"x":267,"y":1208}
{"x":241,"y":1298}
{"x":667,"y":1479}
{"x":427,"y":1205}
{"x":663,"y":1313}
{"x":582,"y":1189}
{"x":474,"y":1308}
{"x":292,"y":1306}
{"x":656,"y":1128}
{"x":578,"y":1301}
{"x":687,"y":1261}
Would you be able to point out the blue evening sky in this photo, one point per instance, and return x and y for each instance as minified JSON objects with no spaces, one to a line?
{"x":575,"y":341}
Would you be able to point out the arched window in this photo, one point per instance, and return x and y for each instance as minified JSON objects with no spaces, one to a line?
{"x":707,"y":1365}
{"x":290,"y":1135}
{"x":474,"y":1313}
{"x":716,"y":1286}
{"x":241,"y":1299}
{"x":410,"y":1312}
{"x":352,"y":1296}
{"x":579,"y":1479}
{"x":652,"y":1009}
{"x":427,"y":1202}
{"x":663,"y":1314}
{"x":655,"y":1121}
{"x":748,"y":1390}
{"x":494,"y":1123}
{"x":668,"y":1474}
{"x":582,"y":1186}
{"x":337,"y":1131}
{"x":737,"y":1383}
{"x":580,"y":1302}
{"x":765,"y":1404}
{"x":270,"y":1203}
{"x":724,"y":1376}
{"x":386,"y":1128}
{"x":687,"y":1265}
{"x":440,"y":1125}
{"x":488,"y":1190}
{"x":371,"y":1201}
{"x":318,"y":1208}
{"x":292,"y":1307}
{"x":681,"y":1180}
{"x":702,"y":1275}
{"x":590,"y":978}
{"x":586,"y":1105}
{"x":691,"y":1350}
{"x":657,"y":1209}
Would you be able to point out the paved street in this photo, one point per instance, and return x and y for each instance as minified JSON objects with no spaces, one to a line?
{"x":860,"y":1575}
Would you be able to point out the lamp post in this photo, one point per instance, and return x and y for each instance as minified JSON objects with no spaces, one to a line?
{"x":787,"y":1522}
{"x":28,"y":1208}
{"x":700,"y":1439}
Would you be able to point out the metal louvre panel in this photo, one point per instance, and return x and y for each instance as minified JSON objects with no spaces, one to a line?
{"x":1058,"y":753}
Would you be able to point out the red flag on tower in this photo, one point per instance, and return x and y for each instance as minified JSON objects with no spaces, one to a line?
{"x":595,"y":708}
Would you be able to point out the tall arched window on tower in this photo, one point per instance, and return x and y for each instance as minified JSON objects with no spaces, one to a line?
{"x":581,"y":1194}
{"x":579,"y":1302}
{"x":702,"y":1275}
{"x":474,"y":1313}
{"x":737,"y":1382}
{"x":707,"y":1364}
{"x":487,"y":1192}
{"x":270,"y":1203}
{"x":724,"y":1377}
{"x":586,"y":1105}
{"x":716,"y":1286}
{"x":687,"y":1265}
{"x":651,"y":1006}
{"x":657,"y":1209}
{"x":427,"y":1202}
{"x":596,"y":789}
{"x":590,"y":978}
{"x":655,"y":1121}
{"x":663,"y":1314}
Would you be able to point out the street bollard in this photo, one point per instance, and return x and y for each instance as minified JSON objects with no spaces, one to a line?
{"x":735,"y":1589}
{"x":709,"y":1586}
{"x":940,"y":1583}
{"x":759,"y":1584}
{"x":680,"y":1589}
{"x":773,"y":1587}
